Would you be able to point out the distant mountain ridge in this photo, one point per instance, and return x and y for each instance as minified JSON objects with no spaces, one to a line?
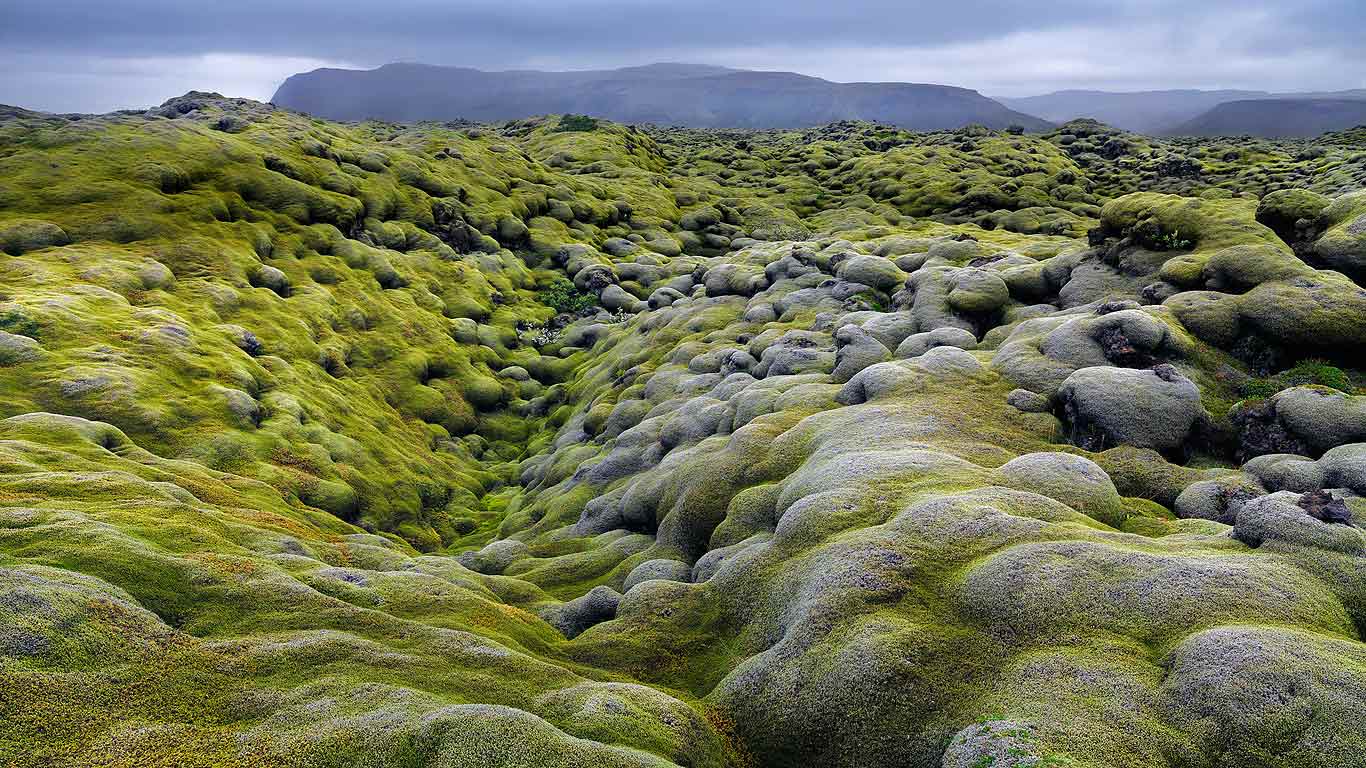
{"x":672,"y":94}
{"x":1150,"y":112}
{"x":1276,"y":118}
{"x":1169,"y":112}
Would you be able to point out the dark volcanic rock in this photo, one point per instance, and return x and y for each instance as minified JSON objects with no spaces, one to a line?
{"x":1323,"y":505}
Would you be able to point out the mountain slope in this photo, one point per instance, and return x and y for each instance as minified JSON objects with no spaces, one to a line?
{"x":665,"y":94}
{"x":1275,"y":118}
{"x":1150,"y":112}
{"x":1147,"y":112}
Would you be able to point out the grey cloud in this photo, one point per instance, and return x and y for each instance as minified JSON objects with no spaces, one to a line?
{"x":67,"y":53}
{"x":506,"y":29}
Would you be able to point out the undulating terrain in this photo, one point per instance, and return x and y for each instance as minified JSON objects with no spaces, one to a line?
{"x":561,"y":442}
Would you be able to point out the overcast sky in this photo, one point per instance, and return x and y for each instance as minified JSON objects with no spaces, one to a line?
{"x":98,"y":55}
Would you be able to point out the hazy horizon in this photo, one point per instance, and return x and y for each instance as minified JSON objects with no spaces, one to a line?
{"x":80,"y":56}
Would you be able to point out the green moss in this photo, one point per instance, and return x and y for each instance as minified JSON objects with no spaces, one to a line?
{"x":296,"y":457}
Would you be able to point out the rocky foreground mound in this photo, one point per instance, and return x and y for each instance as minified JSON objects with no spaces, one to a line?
{"x":563,"y":443}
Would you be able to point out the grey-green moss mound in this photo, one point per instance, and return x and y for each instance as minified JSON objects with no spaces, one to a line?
{"x":561,"y":442}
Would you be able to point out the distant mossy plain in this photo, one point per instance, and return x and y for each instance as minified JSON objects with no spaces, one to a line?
{"x":562,"y":442}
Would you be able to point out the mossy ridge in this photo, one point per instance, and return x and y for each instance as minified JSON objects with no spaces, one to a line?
{"x":306,"y":324}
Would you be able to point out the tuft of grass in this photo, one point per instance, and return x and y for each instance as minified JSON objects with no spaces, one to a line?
{"x":1315,"y":371}
{"x":1173,"y":241}
{"x":576,"y":124}
{"x":18,"y":323}
{"x":1157,"y":238}
{"x":562,"y":296}
{"x":1320,"y":372}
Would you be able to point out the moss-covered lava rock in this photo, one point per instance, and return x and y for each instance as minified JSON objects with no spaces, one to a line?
{"x":561,"y":442}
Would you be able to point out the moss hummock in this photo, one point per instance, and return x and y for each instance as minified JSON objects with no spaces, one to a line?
{"x":560,"y":442}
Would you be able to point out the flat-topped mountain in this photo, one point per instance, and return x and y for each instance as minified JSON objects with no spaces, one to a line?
{"x":671,"y":94}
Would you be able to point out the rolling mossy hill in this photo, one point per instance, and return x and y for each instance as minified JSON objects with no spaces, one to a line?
{"x":561,"y":442}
